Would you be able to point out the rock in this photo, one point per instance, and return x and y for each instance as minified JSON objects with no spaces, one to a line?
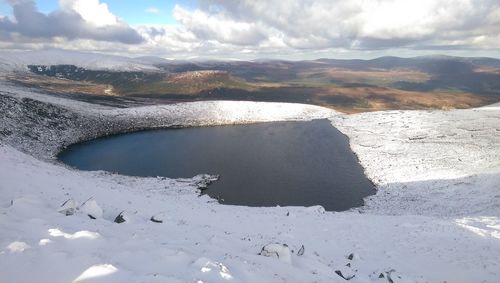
{"x":301,"y":251}
{"x":68,"y":207}
{"x":346,"y":272}
{"x":350,"y":256}
{"x":121,"y":217}
{"x":315,"y":209}
{"x":91,"y":208}
{"x":392,"y":276}
{"x":158,"y":218}
{"x":280,"y":251}
{"x":204,"y":180}
{"x":346,"y":277}
{"x":129,"y":217}
{"x":389,"y":276}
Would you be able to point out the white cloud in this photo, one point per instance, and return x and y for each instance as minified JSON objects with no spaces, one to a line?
{"x":219,"y":27}
{"x":92,"y":11}
{"x":152,"y":10}
{"x":293,"y":28}
{"x":76,"y":19}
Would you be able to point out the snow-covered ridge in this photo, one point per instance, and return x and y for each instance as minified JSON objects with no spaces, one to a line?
{"x":18,"y":60}
{"x":34,"y":115}
{"x":429,"y":162}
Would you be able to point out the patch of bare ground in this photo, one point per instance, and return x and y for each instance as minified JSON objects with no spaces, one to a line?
{"x":59,"y":85}
{"x":191,"y":83}
{"x":366,"y":99}
{"x":487,"y":70}
{"x":368,"y":75}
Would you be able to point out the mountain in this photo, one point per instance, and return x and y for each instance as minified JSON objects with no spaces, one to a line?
{"x":19,"y":60}
{"x":347,"y":85}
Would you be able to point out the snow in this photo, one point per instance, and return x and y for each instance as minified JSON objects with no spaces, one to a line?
{"x":17,"y":247}
{"x":96,"y":271}
{"x":18,"y":60}
{"x":434,"y":219}
{"x":429,"y":162}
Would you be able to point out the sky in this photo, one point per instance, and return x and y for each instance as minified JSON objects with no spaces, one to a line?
{"x":251,"y":29}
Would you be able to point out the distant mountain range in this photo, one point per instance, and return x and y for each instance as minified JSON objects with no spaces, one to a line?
{"x":347,"y":85}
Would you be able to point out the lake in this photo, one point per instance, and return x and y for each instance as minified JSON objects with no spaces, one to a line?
{"x":266,"y":164}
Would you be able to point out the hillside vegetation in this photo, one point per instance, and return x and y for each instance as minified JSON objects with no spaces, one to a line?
{"x":346,"y":85}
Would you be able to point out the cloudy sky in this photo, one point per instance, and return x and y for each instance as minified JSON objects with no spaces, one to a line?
{"x":247,"y":29}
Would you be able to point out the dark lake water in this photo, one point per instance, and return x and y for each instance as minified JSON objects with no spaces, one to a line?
{"x":266,"y":164}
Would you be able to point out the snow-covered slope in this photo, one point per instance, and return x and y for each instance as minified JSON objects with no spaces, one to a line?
{"x":18,"y":60}
{"x":429,"y":162}
{"x":202,"y":241}
{"x":413,"y":230}
{"x":33,"y":117}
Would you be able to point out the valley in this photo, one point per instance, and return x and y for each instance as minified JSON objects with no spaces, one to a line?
{"x":350,"y":86}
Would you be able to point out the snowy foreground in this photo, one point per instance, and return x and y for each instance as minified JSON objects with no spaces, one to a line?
{"x":434,"y":219}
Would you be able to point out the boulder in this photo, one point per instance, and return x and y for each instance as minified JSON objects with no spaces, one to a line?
{"x":345,"y":273}
{"x":301,"y":251}
{"x":122,"y":217}
{"x":157,"y":218}
{"x":318,"y":209}
{"x":68,"y":207}
{"x":91,"y":208}
{"x":130,"y":217}
{"x":279,"y":251}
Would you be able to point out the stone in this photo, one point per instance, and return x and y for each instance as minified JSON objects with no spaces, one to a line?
{"x":301,"y":251}
{"x":91,"y":208}
{"x":157,"y":218}
{"x":68,"y":207}
{"x":120,"y":218}
{"x":279,"y":251}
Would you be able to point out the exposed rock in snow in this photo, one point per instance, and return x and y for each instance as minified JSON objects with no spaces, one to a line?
{"x":158,"y":218}
{"x":391,"y":276}
{"x":316,"y":209}
{"x":68,"y":207}
{"x":91,"y":208}
{"x":346,"y":273}
{"x":280,"y":251}
{"x":301,"y":251}
{"x":121,"y":217}
{"x":129,"y":217}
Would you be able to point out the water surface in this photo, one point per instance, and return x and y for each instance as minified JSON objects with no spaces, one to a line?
{"x":266,"y":164}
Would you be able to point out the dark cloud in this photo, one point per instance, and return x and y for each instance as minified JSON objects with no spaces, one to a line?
{"x":154,"y":31}
{"x":31,"y":23}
